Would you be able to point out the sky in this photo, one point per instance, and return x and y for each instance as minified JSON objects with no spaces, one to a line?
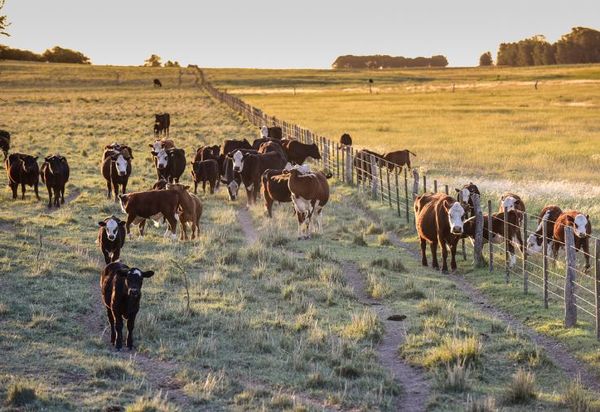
{"x":286,"y":34}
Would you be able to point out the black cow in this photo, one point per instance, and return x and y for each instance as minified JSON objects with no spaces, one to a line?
{"x":111,"y":238}
{"x":205,"y":171}
{"x":22,"y":169}
{"x":121,"y":288}
{"x":229,"y":145}
{"x":116,"y":169}
{"x":162,"y":122}
{"x":272,"y":132}
{"x":4,"y":142}
{"x":298,"y":152}
{"x":157,"y":83}
{"x":251,"y":166}
{"x":346,"y":140}
{"x":170,"y":164}
{"x":55,"y":174}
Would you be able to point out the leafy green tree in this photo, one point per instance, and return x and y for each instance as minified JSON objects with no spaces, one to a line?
{"x":3,"y":21}
{"x":485,"y":59}
{"x":153,"y":61}
{"x":60,"y":55}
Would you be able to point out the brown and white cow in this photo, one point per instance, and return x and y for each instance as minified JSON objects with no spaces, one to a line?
{"x":272,"y":132}
{"x":22,"y":169}
{"x":298,"y":152}
{"x":439,"y":220}
{"x":510,"y":201}
{"x":310,"y":194}
{"x":582,"y":229}
{"x":111,"y":238}
{"x":116,"y":170}
{"x":251,"y":166}
{"x":162,"y":144}
{"x":464,"y":194}
{"x":274,"y":186}
{"x":170,"y":164}
{"x":153,"y":204}
{"x":535,"y":241}
{"x":268,"y":147}
{"x":55,"y":175}
{"x":190,"y":210}
{"x":398,"y":158}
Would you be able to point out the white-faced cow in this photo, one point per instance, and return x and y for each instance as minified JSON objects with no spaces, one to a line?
{"x":116,"y":170}
{"x":111,"y":238}
{"x":272,"y":132}
{"x":464,"y":197}
{"x":170,"y":164}
{"x":582,"y":229}
{"x":162,"y":144}
{"x":251,"y":166}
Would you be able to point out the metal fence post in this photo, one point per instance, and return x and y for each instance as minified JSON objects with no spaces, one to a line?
{"x":415,"y":192}
{"x":406,"y":194}
{"x":374,"y":181}
{"x":490,"y":236}
{"x":545,"y":262}
{"x":597,"y":284}
{"x":397,"y":192}
{"x":525,"y":272}
{"x":570,"y":302}
{"x":424,"y":184}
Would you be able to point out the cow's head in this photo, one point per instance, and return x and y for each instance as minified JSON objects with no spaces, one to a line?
{"x":238,"y":161}
{"x":313,"y":151}
{"x":156,"y":146}
{"x":510,"y":203}
{"x":29,"y":163}
{"x":123,"y":198}
{"x":463,"y":195}
{"x":264,"y":131}
{"x":162,"y":158}
{"x":456,"y":215}
{"x":580,"y":225}
{"x":54,"y":163}
{"x":111,"y":227}
{"x":121,"y":164}
{"x":160,"y":184}
{"x":134,"y":278}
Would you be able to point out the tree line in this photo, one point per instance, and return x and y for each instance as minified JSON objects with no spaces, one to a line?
{"x":387,"y":62}
{"x":54,"y":55}
{"x":581,"y":45}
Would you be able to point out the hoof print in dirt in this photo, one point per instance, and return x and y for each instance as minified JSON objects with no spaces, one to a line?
{"x":396,"y":318}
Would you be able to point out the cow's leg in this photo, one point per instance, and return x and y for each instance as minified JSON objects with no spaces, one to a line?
{"x":555,"y":248}
{"x":14,"y":187}
{"x":142,"y":227}
{"x":453,"y":255}
{"x":108,"y":189}
{"x":130,"y":219}
{"x":111,"y":321}
{"x":195,"y":187}
{"x":171,"y":219}
{"x":107,"y":259}
{"x":512,"y":259}
{"x":57,"y":196}
{"x":62,"y":194}
{"x":36,"y":191}
{"x":130,"y":325}
{"x":22,"y":191}
{"x":118,"y":330}
{"x":434,"y":261}
{"x":211,"y":184}
{"x":519,"y":238}
{"x":423,"y":250}
{"x":269,"y":205}
{"x":124,"y":187}
{"x":585,"y":245}
{"x":49,"y":195}
{"x":116,"y":255}
{"x":203,"y":186}
{"x":444,"y":247}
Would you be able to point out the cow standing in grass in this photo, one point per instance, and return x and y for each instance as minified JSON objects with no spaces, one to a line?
{"x":111,"y":238}
{"x":162,"y":123}
{"x":121,"y":288}
{"x":582,"y":229}
{"x":4,"y":142}
{"x":535,"y":241}
{"x":22,"y":169}
{"x":116,"y":170}
{"x":55,"y":174}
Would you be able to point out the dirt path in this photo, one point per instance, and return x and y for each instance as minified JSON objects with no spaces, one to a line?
{"x":412,"y":380}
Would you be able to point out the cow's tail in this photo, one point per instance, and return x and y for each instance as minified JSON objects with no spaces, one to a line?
{"x":412,"y":153}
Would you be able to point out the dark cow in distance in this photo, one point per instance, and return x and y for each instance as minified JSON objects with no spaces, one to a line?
{"x":346,"y":140}
{"x":162,"y":123}
{"x":439,"y":220}
{"x":298,"y":152}
{"x":251,"y":166}
{"x":582,"y":229}
{"x":55,"y":174}
{"x":121,"y":288}
{"x":153,"y":204}
{"x":4,"y":142}
{"x":157,"y":83}
{"x":362,"y":164}
{"x":111,"y":238}
{"x":116,"y":170}
{"x":22,"y":169}
{"x":274,"y":186}
{"x":464,"y":196}
{"x":205,"y":171}
{"x":170,"y":164}
{"x":229,"y":145}
{"x":398,"y":158}
{"x":535,"y":241}
{"x":272,"y":132}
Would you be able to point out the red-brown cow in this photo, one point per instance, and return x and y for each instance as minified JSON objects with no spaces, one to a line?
{"x":582,"y":229}
{"x":398,"y":158}
{"x":153,"y":204}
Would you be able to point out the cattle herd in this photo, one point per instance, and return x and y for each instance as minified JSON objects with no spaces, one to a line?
{"x":274,"y":167}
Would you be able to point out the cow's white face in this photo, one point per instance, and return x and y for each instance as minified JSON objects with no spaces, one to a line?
{"x":509,"y":203}
{"x":288,"y":166}
{"x":580,"y":226}
{"x":161,"y":159}
{"x":238,"y":161}
{"x":112,"y":229}
{"x":121,"y":164}
{"x":455,"y":217}
{"x":156,"y":146}
{"x":533,"y":247}
{"x":232,"y":188}
{"x":264,"y":131}
{"x":464,"y":195}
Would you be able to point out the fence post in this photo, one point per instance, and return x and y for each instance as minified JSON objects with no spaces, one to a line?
{"x":381,"y":183}
{"x":525,"y":272}
{"x":325,"y":158}
{"x":597,"y":283}
{"x":389,"y":189}
{"x":478,"y":246}
{"x":337,"y":162}
{"x":570,"y":308}
{"x":446,"y":189}
{"x":347,"y":164}
{"x":374,"y":181}
{"x":406,"y":194}
{"x":424,"y":184}
{"x":434,"y":185}
{"x":545,"y":261}
{"x":397,"y":192}
{"x":506,"y":243}
{"x":415,"y":193}
{"x":490,"y":236}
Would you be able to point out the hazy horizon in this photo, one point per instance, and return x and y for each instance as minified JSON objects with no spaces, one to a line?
{"x":270,"y":34}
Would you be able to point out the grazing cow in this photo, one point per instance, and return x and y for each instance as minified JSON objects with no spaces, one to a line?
{"x":55,"y":174}
{"x":190,"y":210}
{"x":162,"y":144}
{"x":22,"y":169}
{"x":121,"y":288}
{"x":497,"y":231}
{"x":251,"y":166}
{"x":535,"y":241}
{"x":272,"y":132}
{"x":463,"y":195}
{"x":153,"y":204}
{"x":439,"y":220}
{"x":205,"y":171}
{"x":230,"y":145}
{"x":310,"y":194}
{"x":274,"y":186}
{"x":346,"y":140}
{"x":398,"y":158}
{"x":111,"y":238}
{"x":170,"y":164}
{"x":157,"y":83}
{"x":271,"y":146}
{"x":116,"y":169}
{"x":362,"y":164}
{"x":298,"y":152}
{"x":207,"y":152}
{"x":162,"y":122}
{"x":4,"y":142}
{"x":582,"y":229}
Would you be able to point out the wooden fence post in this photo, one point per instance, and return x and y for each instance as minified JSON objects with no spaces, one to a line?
{"x":337,"y":162}
{"x":545,"y":262}
{"x":396,"y":172}
{"x":570,"y":302}
{"x":506,"y":243}
{"x":415,"y":191}
{"x":374,"y":181}
{"x":325,"y":157}
{"x":525,"y":272}
{"x":406,"y":194}
{"x":435,"y":186}
{"x":389,"y":188}
{"x":380,"y":182}
{"x":424,"y":184}
{"x":446,"y":189}
{"x":478,"y":246}
{"x":597,"y":284}
{"x":348,"y":164}
{"x":490,"y":236}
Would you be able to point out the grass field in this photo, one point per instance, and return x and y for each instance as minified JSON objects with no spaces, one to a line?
{"x":273,"y":325}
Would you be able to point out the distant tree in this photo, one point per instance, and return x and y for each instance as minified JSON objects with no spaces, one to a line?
{"x":59,"y":55}
{"x":6,"y":53}
{"x":485,"y":59}
{"x":153,"y":61}
{"x":169,"y":63}
{"x":3,"y":21}
{"x":385,"y":61}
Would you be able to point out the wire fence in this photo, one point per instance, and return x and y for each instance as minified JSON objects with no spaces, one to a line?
{"x":557,"y":280}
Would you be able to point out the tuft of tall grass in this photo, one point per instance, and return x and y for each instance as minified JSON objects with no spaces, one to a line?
{"x":20,"y":394}
{"x":364,"y":325}
{"x":577,"y":398}
{"x":521,"y":388}
{"x":453,"y":349}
